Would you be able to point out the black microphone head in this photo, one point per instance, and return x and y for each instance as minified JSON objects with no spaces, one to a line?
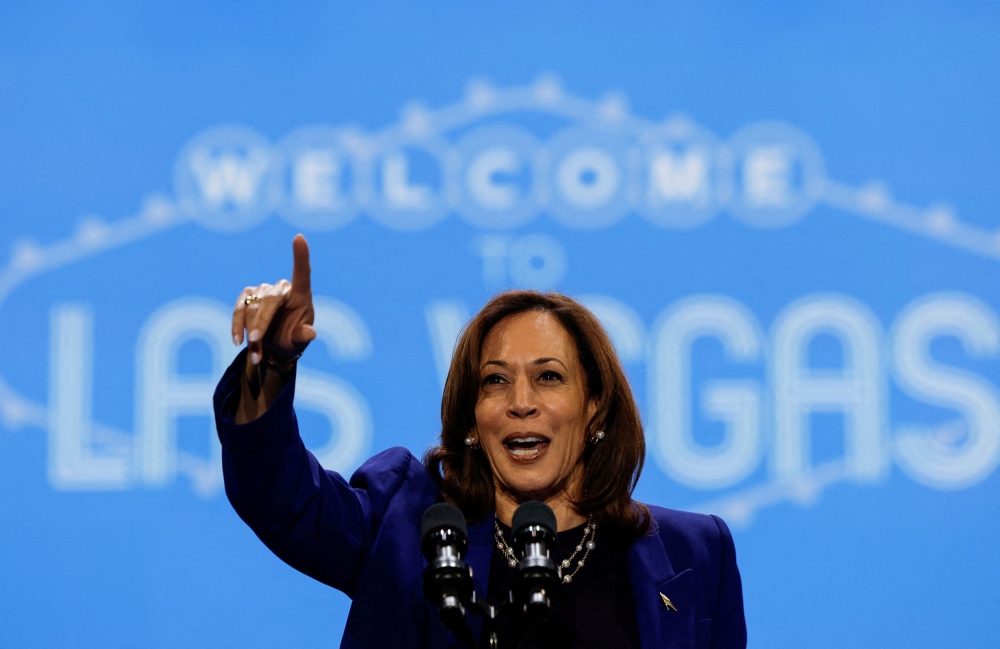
{"x":442,"y":515}
{"x":447,"y":517}
{"x":534,"y":513}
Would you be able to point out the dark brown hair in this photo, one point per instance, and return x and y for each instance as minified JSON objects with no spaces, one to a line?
{"x":611,"y":468}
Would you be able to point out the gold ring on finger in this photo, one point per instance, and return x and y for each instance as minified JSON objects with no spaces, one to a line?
{"x":251,"y":299}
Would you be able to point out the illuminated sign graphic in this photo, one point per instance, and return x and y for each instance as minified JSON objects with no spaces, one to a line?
{"x":477,"y":160}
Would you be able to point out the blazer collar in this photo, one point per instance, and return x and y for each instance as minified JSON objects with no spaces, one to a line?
{"x":653,"y":578}
{"x":647,"y":558}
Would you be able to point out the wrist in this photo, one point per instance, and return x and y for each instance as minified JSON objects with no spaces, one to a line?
{"x":282,"y":365}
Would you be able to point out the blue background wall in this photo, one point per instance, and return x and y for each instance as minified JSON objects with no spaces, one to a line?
{"x":784,"y":212}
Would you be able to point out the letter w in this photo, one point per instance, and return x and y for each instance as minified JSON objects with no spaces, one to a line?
{"x":229,"y":177}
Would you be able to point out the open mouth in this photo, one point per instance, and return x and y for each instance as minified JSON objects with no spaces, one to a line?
{"x":525,"y":447}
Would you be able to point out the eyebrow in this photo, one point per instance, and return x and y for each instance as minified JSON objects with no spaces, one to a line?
{"x":539,"y":361}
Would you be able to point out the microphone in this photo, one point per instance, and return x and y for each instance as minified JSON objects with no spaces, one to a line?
{"x":448,"y":579}
{"x":534,"y":531}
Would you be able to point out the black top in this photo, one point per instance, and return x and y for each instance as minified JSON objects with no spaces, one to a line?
{"x":596,"y":609}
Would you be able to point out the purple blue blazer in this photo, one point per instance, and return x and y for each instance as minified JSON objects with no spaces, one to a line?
{"x":362,"y":537}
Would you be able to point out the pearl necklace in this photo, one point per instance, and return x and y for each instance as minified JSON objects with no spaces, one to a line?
{"x":586,"y":545}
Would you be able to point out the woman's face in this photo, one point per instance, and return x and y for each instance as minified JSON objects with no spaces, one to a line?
{"x":533,"y":409}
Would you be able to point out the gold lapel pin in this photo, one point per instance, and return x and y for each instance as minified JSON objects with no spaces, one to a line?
{"x":666,"y":602}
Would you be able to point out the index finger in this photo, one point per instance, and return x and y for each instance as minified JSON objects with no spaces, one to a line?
{"x":301,"y":282}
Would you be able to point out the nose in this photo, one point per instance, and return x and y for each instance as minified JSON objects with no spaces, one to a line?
{"x":523,"y":400}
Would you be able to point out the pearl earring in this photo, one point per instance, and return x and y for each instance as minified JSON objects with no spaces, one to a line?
{"x":598,"y":436}
{"x":470,"y":441}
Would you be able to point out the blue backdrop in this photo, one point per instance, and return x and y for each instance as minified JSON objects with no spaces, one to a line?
{"x":785,"y":214}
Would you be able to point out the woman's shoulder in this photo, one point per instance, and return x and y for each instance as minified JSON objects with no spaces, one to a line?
{"x":689,"y":533}
{"x":395,"y":472}
{"x":679,"y":519}
{"x":389,"y":469}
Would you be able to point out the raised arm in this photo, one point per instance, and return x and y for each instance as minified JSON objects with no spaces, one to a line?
{"x":277,"y":319}
{"x":311,"y":518}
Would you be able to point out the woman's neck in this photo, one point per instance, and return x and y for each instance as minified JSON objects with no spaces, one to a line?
{"x":560,"y":503}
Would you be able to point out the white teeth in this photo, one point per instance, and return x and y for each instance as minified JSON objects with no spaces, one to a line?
{"x":525,"y":446}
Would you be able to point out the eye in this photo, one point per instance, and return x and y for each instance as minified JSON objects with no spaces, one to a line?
{"x":551,"y":375}
{"x":494,"y":379}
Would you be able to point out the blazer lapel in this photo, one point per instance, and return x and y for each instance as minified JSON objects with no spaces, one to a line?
{"x":664,"y":607}
{"x":479,"y":556}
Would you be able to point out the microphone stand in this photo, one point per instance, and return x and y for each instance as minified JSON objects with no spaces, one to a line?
{"x":491,"y":617}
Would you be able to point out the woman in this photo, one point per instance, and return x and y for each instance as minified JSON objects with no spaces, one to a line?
{"x":535,"y":407}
